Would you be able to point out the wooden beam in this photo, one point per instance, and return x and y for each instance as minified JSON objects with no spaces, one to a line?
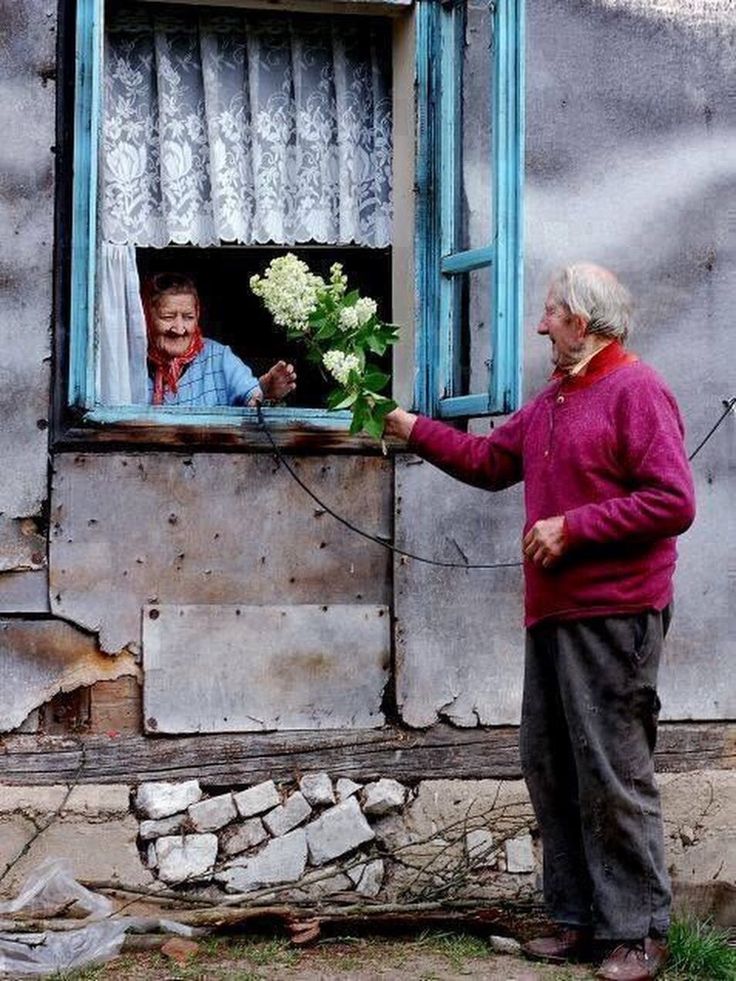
{"x":226,"y":760}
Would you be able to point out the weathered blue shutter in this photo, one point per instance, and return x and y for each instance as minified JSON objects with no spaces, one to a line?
{"x":442,"y":259}
{"x":87,"y":103}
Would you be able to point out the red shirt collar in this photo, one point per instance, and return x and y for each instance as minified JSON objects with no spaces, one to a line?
{"x":608,"y":359}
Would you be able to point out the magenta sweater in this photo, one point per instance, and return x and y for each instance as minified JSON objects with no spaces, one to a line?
{"x":605,"y":450}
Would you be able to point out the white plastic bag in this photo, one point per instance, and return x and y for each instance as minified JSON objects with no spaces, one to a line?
{"x":51,"y":890}
{"x":46,"y":953}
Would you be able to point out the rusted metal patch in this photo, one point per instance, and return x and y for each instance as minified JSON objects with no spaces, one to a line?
{"x":40,"y":658}
{"x":257,"y":668}
{"x":133,"y":530}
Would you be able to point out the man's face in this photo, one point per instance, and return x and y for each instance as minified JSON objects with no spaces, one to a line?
{"x":565,"y":331}
{"x":173,"y":323}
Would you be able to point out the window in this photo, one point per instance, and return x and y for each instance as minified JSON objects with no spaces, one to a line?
{"x":451,"y":273}
{"x":207,"y":141}
{"x":469,"y":176}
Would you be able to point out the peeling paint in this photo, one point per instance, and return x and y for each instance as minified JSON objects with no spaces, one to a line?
{"x":38,"y":659}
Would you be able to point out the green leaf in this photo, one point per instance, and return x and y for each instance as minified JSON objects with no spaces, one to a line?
{"x":327,"y":330}
{"x":335,"y":396}
{"x":375,"y":380}
{"x":349,"y":400}
{"x":373,"y":426}
{"x":375,"y":344}
{"x":359,"y":414}
{"x":350,"y":299}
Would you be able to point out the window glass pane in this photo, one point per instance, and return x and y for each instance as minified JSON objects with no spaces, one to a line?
{"x":472,"y":317}
{"x":477,"y":70}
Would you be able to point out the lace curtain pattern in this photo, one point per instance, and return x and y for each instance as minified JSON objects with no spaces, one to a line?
{"x":245,"y":127}
{"x":121,"y":329}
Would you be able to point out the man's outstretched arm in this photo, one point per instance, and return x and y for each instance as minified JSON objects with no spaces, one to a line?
{"x":492,"y":462}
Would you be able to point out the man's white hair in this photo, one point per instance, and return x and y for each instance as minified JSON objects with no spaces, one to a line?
{"x":595,"y":294}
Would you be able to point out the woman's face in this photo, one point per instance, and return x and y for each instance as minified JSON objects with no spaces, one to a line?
{"x":173,"y":324}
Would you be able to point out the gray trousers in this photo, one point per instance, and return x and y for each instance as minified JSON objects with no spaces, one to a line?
{"x":588,"y":731}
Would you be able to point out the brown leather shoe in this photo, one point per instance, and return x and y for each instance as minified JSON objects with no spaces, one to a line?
{"x":565,"y":944}
{"x":636,"y":960}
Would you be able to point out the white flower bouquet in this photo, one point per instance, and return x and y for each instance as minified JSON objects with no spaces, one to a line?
{"x":341,"y":330}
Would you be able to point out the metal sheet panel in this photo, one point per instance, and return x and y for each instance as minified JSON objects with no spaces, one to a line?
{"x":255,"y":668}
{"x":131,"y":530}
{"x":459,"y":637}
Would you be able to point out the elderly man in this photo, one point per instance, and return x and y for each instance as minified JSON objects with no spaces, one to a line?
{"x":607,"y":489}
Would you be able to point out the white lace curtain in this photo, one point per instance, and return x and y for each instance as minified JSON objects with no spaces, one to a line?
{"x":233,"y":127}
{"x":245,"y":127}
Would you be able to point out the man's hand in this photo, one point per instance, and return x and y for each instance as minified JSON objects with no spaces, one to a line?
{"x":278,"y":381}
{"x":545,"y":542}
{"x":399,"y":424}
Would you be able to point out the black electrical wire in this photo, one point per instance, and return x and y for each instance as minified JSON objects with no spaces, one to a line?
{"x":359,"y":531}
{"x":729,"y":406}
{"x":410,"y":555}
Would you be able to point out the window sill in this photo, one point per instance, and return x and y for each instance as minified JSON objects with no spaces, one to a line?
{"x":219,"y":428}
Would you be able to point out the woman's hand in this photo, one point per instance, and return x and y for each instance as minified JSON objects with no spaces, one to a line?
{"x":278,"y":381}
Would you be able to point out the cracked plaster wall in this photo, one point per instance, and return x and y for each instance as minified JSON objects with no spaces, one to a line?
{"x":630,"y":162}
{"x":27,"y":72}
{"x":450,"y":838}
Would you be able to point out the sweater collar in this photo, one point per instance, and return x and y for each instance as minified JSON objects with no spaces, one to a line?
{"x":608,"y":359}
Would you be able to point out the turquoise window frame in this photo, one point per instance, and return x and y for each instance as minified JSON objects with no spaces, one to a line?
{"x":439,"y":263}
{"x":89,"y":46}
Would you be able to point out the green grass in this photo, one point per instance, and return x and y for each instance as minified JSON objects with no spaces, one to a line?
{"x":266,"y":952}
{"x":456,"y":947}
{"x":700,"y":951}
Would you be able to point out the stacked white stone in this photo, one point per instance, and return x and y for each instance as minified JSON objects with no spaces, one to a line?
{"x":263,"y":837}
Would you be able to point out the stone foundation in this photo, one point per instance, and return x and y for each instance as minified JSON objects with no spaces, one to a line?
{"x":326,"y":836}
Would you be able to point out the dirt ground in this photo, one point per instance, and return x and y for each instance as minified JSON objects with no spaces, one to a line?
{"x":432,"y":956}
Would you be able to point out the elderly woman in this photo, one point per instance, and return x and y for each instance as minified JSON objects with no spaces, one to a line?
{"x":186,"y":368}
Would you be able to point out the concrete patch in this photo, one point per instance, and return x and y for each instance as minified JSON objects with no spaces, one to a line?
{"x":106,"y":850}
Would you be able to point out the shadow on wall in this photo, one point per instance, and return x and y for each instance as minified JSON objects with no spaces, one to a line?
{"x":631,"y":159}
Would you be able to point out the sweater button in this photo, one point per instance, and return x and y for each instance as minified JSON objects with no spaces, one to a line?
{"x":560,"y":399}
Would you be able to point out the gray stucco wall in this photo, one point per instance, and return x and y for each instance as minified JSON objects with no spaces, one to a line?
{"x":27,"y":73}
{"x":631,"y":162}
